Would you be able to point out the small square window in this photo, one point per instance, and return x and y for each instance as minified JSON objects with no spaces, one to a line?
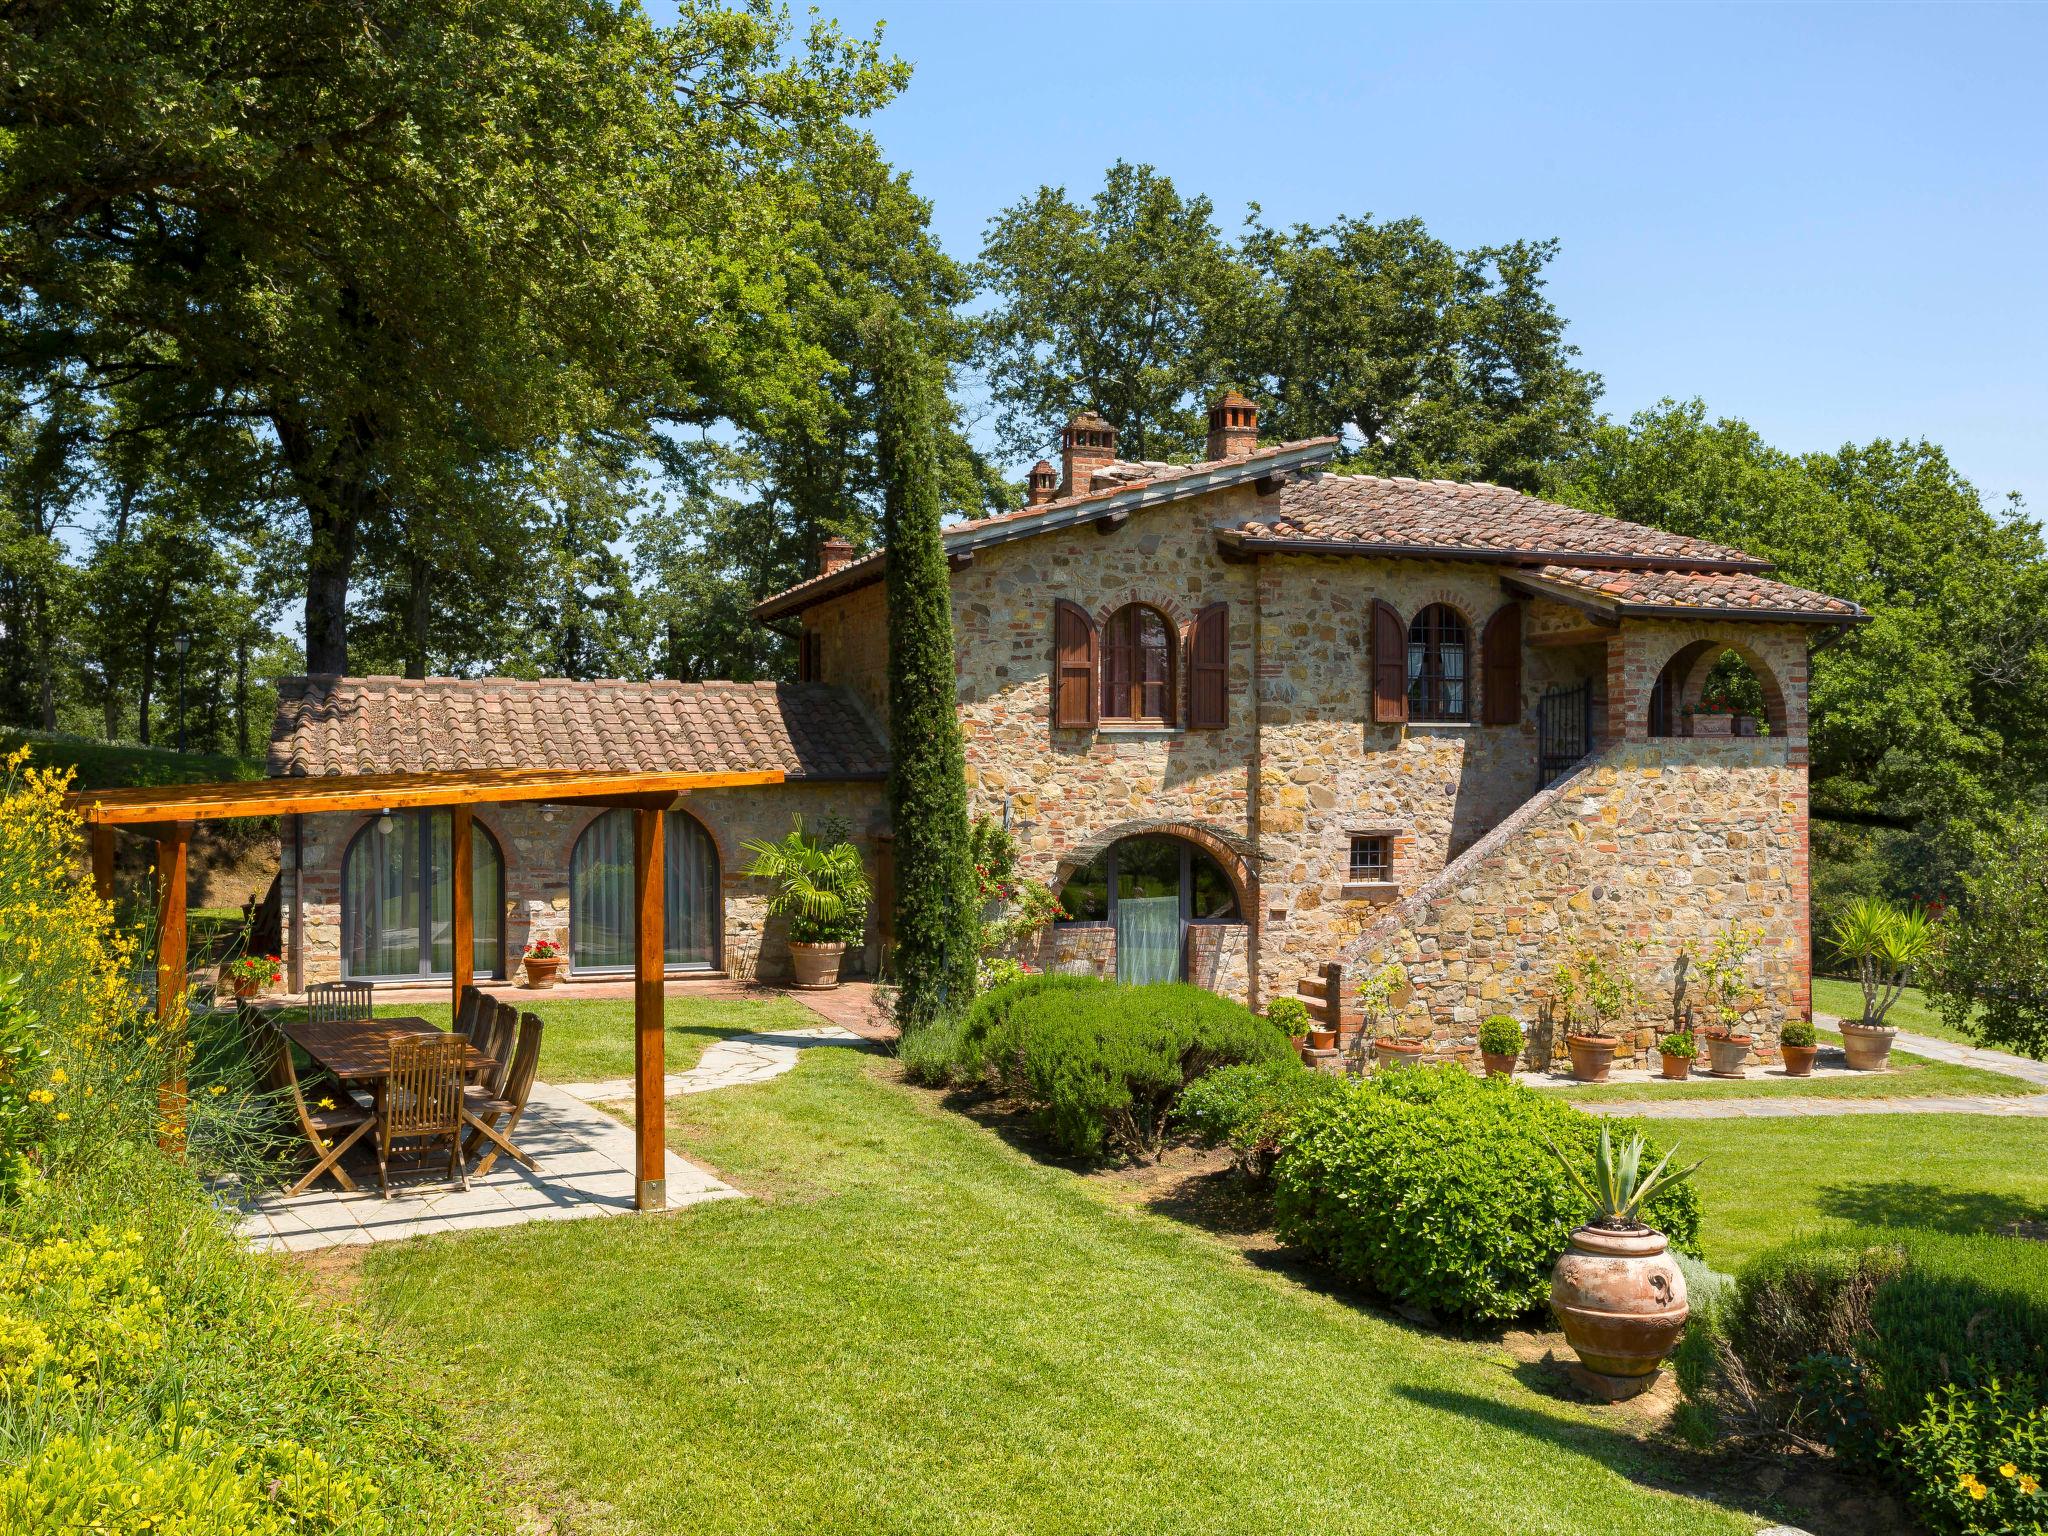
{"x":1372,"y":858}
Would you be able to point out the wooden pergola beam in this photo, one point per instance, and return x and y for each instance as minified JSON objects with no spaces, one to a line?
{"x":371,"y":792}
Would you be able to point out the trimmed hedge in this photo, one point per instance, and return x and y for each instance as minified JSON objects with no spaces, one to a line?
{"x":1102,"y":1065}
{"x":1439,"y":1190}
{"x":1925,"y":1356}
{"x":1249,"y":1108}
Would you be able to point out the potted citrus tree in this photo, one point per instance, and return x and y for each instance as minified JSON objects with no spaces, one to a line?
{"x":1885,"y":943}
{"x":1677,"y":1051}
{"x":1500,"y":1044}
{"x":1617,"y":1293}
{"x":1796,"y":1045}
{"x":821,"y":888}
{"x":1592,"y":998}
{"x":1724,"y":979}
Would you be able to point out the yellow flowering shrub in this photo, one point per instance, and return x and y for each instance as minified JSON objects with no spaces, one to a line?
{"x":80,"y":1312}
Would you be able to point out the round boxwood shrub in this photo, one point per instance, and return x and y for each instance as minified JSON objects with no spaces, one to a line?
{"x":1288,"y":1014}
{"x":1440,"y":1191}
{"x":1500,"y":1036}
{"x":1102,"y":1065}
{"x":1796,"y":1032}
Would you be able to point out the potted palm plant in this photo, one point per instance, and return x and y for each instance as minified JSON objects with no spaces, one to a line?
{"x":1500,"y":1044}
{"x":821,"y":888}
{"x":1618,"y":1294}
{"x":1884,"y":943}
{"x":1796,"y":1045}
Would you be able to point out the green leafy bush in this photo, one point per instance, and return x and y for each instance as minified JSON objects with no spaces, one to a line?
{"x":1500,"y":1036}
{"x":1678,"y":1043}
{"x":1102,"y":1065}
{"x":1796,"y":1032}
{"x":1440,"y":1190}
{"x":1922,"y":1355}
{"x":1289,"y":1015}
{"x":1248,"y":1108}
{"x":990,"y":1014}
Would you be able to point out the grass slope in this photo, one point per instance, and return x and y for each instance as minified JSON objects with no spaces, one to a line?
{"x":589,"y":1039}
{"x":1765,"y":1181}
{"x":920,"y":1329}
{"x":119,"y":765}
{"x":1912,"y":1077}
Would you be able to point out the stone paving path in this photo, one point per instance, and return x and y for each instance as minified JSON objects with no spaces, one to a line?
{"x":1793,"y":1107}
{"x":727,"y":1064}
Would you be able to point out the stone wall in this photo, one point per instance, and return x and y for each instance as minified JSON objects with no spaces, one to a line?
{"x":536,"y":843}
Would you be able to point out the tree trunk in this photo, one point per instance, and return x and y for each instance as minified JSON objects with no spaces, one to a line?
{"x":242,"y":694}
{"x":45,"y":685}
{"x":416,"y":618}
{"x":329,"y":558}
{"x":148,"y":686}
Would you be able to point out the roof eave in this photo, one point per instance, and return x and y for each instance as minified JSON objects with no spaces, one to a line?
{"x":1237,"y":540}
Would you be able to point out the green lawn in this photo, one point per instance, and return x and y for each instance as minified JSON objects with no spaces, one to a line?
{"x":1911,"y":1012}
{"x":918,"y":1328}
{"x":589,"y":1039}
{"x":1912,"y":1077}
{"x":1768,"y":1180}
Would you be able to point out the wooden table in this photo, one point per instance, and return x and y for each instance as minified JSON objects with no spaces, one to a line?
{"x":359,"y":1050}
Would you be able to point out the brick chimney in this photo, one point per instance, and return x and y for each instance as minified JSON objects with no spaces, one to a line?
{"x":1087,"y":444}
{"x":1042,"y":484}
{"x":834,"y":553}
{"x":1233,"y":427}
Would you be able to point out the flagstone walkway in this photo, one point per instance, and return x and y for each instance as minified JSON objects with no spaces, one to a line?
{"x":727,"y":1064}
{"x":1797,"y":1106}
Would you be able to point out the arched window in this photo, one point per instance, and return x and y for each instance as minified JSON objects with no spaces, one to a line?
{"x":1137,"y":665}
{"x":1438,"y":648}
{"x":601,"y":895}
{"x":1150,"y":889}
{"x":398,"y":899}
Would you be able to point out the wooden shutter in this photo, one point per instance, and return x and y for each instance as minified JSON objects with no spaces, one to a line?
{"x":1209,"y":669}
{"x":1389,"y":665}
{"x":1073,"y":666}
{"x":1501,"y":667}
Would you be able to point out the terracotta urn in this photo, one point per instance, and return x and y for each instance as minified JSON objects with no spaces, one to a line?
{"x":1728,"y":1055}
{"x":543,"y":970}
{"x":1868,"y":1046}
{"x":1388,"y":1054}
{"x":816,"y":965}
{"x":1620,"y":1298}
{"x":1497,"y":1064}
{"x":1592,"y":1056}
{"x":1678,"y":1068}
{"x":1799,"y":1059}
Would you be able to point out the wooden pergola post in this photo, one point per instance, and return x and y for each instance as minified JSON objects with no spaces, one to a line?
{"x":650,"y":1187}
{"x":462,"y":907}
{"x":102,"y":840}
{"x":171,"y":843}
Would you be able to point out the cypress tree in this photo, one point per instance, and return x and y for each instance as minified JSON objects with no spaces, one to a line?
{"x":936,"y":917}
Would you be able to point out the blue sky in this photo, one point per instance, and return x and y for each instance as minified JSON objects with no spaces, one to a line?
{"x":1832,"y":221}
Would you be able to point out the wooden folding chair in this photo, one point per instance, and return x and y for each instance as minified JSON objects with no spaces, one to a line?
{"x":485,"y":1107}
{"x":329,"y":1131}
{"x":422,"y":1100}
{"x":496,"y":1043}
{"x":472,"y":1012}
{"x":329,"y":1001}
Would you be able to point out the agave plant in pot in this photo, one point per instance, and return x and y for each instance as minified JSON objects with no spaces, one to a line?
{"x":1885,"y":943}
{"x":821,"y":888}
{"x":1618,"y":1294}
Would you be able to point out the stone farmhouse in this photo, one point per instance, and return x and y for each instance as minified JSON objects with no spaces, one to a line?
{"x":1251,"y":719}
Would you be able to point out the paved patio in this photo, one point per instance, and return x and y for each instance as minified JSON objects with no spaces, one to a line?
{"x":586,"y":1169}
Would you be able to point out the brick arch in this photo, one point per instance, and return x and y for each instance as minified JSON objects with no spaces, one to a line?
{"x":1232,"y":853}
{"x":1171,"y":609}
{"x":1691,"y":660}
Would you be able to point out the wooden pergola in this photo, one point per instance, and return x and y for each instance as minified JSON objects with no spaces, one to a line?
{"x":167,"y":814}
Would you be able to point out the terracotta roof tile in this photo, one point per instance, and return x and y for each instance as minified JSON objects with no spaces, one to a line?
{"x":1469,"y":516}
{"x":1739,"y":592}
{"x":329,"y":725}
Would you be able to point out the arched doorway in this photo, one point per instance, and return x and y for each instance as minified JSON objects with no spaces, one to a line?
{"x":1150,"y":889}
{"x":398,"y":899}
{"x":601,"y":895}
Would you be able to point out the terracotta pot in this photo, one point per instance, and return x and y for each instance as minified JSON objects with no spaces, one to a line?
{"x":1727,"y":1055}
{"x":1678,"y":1068}
{"x":1592,"y":1055}
{"x":245,"y":988}
{"x":1320,"y":1039}
{"x":1620,"y":1299}
{"x":1868,"y":1046}
{"x":1498,"y":1065}
{"x":816,"y":965}
{"x":543,"y":970}
{"x":1799,"y":1059}
{"x":1387,"y":1054}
